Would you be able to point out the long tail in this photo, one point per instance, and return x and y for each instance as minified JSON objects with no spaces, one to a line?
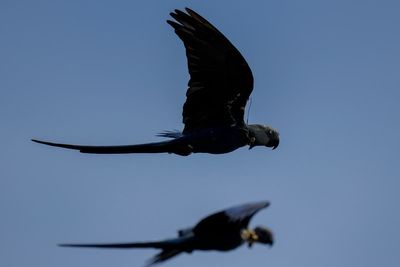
{"x":159,"y":147}
{"x":170,"y":248}
{"x":160,"y":245}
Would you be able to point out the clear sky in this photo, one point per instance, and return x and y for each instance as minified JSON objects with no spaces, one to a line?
{"x":113,"y":72}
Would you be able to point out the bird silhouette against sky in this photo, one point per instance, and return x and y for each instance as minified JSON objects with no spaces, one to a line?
{"x":221,"y":231}
{"x":219,"y":87}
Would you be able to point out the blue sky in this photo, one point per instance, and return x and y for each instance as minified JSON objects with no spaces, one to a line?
{"x":113,"y":72}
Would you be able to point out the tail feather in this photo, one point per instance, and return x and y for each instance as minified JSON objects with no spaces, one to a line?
{"x":160,"y":245}
{"x":170,"y":247}
{"x":158,"y":147}
{"x":168,"y":244}
{"x":163,"y":256}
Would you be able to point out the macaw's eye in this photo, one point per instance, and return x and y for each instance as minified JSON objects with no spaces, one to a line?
{"x":270,"y":132}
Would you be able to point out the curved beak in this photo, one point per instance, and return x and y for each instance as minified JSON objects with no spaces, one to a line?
{"x":275,"y":144}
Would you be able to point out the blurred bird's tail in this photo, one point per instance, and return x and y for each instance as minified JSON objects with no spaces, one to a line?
{"x":170,"y":247}
{"x":164,"y":255}
{"x":118,"y":245}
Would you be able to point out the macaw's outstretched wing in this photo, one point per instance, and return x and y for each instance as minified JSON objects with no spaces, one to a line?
{"x":220,"y":78}
{"x":236,"y":217}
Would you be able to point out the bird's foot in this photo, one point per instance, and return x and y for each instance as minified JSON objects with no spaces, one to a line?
{"x":249,"y":236}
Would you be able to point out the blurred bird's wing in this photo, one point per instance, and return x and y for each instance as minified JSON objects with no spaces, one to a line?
{"x":245,"y":211}
{"x":238,"y":216}
{"x":220,"y":78}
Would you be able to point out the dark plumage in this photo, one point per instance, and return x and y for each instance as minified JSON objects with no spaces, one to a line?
{"x":220,"y":85}
{"x":221,"y":231}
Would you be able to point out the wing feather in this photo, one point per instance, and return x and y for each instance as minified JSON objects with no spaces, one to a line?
{"x":220,"y":78}
{"x":237,"y":216}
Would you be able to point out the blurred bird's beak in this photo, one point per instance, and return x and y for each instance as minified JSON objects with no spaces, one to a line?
{"x":276,"y":144}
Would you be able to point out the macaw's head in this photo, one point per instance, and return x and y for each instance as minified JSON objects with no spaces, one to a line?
{"x":263,"y":135}
{"x":260,"y":234}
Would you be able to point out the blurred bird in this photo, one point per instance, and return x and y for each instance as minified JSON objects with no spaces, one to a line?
{"x":221,"y":231}
{"x":219,"y":87}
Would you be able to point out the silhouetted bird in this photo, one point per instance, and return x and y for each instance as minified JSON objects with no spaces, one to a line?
{"x":219,"y":87}
{"x":222,"y":231}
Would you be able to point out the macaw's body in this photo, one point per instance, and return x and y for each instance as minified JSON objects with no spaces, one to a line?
{"x":220,"y":85}
{"x":221,"y":231}
{"x":211,"y":140}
